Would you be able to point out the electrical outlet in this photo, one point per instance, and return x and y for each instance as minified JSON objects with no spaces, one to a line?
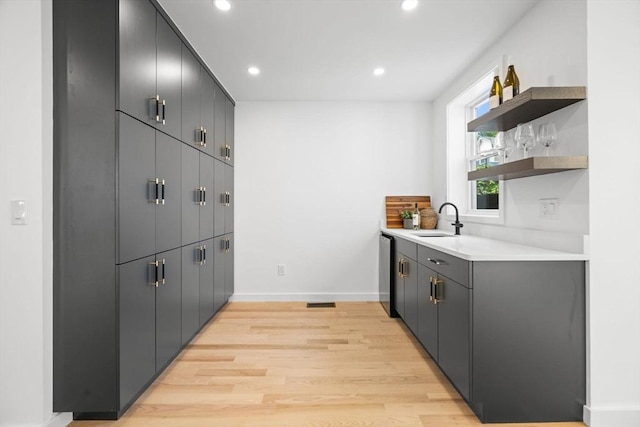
{"x":18,"y":212}
{"x":282,"y":269}
{"x":548,"y":208}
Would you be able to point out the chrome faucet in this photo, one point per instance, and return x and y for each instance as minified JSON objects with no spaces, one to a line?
{"x":458,"y":225}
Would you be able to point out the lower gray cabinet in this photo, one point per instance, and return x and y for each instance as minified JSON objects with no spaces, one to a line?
{"x":206,"y":278}
{"x":223,"y":270}
{"x":149,"y":290}
{"x":191,"y":263}
{"x":509,"y":335}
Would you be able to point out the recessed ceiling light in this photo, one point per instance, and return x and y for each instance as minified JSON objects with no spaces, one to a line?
{"x":222,"y":4}
{"x":378,"y":71}
{"x":254,"y":71}
{"x":409,"y":4}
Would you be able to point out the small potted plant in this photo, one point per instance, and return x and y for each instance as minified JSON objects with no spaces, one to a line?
{"x":407,"y":219}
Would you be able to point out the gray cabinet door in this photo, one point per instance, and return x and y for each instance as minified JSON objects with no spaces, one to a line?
{"x":411,"y":295}
{"x":220,"y":257}
{"x":220,"y":123}
{"x":218,"y":199}
{"x":169,"y":86}
{"x":454,"y":333}
{"x":228,"y":185}
{"x":427,"y":312}
{"x":136,"y":167}
{"x":399,"y":288}
{"x":190,"y":172}
{"x":190,"y":292}
{"x":168,"y":214}
{"x":229,"y":127}
{"x":229,"y":287}
{"x":190,"y":97}
{"x":206,"y":284}
{"x":207,"y":113}
{"x":168,"y":308}
{"x":206,"y":209}
{"x":137,"y":327}
{"x":137,"y":59}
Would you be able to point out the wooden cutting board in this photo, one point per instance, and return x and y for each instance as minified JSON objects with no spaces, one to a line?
{"x":397,"y":204}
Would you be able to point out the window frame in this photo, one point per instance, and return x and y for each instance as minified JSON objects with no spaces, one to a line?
{"x":458,"y":141}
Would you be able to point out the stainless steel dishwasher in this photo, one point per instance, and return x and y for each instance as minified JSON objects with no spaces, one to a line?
{"x":386,"y":274}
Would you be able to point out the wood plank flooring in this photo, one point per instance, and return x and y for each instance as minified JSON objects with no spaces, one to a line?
{"x":282,"y":364}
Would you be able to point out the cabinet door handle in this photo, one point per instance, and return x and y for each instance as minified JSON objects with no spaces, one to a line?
{"x":228,"y":200}
{"x":164,"y":112}
{"x":154,"y":190}
{"x":203,"y":250}
{"x":204,"y":196}
{"x":155,"y":108}
{"x":227,"y":245}
{"x":430,"y":288}
{"x":162,"y":190}
{"x":437,"y":293}
{"x":154,"y":267}
{"x":436,"y":261}
{"x":204,"y":137}
{"x":164,"y":275}
{"x":227,"y":152}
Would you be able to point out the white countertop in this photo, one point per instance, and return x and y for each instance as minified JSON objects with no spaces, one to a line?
{"x":473,"y":248}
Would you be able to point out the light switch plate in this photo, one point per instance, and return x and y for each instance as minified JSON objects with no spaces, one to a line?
{"x":18,"y":212}
{"x":282,"y":269}
{"x":548,"y":208}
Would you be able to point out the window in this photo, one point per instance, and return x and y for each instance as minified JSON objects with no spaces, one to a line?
{"x":478,"y":201}
{"x":481,"y":154}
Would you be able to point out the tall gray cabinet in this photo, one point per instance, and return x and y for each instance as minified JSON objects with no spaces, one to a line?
{"x":143,"y":200}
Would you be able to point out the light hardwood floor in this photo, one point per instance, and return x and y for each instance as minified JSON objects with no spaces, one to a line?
{"x":282,"y":364}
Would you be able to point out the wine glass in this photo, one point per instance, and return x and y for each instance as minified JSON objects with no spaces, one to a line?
{"x":525,"y":137}
{"x":547,"y":135}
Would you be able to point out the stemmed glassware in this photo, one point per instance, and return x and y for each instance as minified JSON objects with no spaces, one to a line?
{"x":504,"y":144}
{"x":525,"y":137}
{"x":547,"y":135}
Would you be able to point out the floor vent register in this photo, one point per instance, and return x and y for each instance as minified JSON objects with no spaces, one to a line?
{"x":321,"y":305}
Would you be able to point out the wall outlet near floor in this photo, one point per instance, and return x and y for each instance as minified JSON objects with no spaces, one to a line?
{"x":282,"y":269}
{"x":548,"y":208}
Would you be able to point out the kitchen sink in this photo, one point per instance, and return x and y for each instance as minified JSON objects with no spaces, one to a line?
{"x":432,"y":234}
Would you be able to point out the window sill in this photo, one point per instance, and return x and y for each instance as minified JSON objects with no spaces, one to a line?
{"x":478,"y":217}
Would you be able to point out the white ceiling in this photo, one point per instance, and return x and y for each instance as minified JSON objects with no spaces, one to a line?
{"x":327,"y":49}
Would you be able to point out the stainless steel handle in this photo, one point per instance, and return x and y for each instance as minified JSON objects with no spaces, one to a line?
{"x":164,"y":276}
{"x":204,"y":136}
{"x":164,"y":112}
{"x":203,"y":251}
{"x":227,"y":152}
{"x":227,"y":246}
{"x":162,"y":189}
{"x":155,"y":282}
{"x":155,"y":108}
{"x":227,"y":198}
{"x":437,"y":293}
{"x":154,"y":189}
{"x":204,"y":196}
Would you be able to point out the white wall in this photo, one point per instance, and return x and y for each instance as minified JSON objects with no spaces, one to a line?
{"x":613,"y":38}
{"x":593,"y":43}
{"x":310,"y":182}
{"x":25,"y":174}
{"x":548,"y":48}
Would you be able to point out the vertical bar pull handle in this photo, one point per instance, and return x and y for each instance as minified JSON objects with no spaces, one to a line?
{"x":204,"y":137}
{"x":154,"y":266}
{"x":204,"y":196}
{"x":164,"y":112}
{"x":155,"y":190}
{"x":162,"y":188}
{"x":430,"y":288}
{"x":164,"y":275}
{"x":204,"y":254}
{"x":155,"y":108}
{"x":227,"y":245}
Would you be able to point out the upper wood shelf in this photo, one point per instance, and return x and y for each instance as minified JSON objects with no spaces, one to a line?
{"x":530,"y":166}
{"x":529,"y":105}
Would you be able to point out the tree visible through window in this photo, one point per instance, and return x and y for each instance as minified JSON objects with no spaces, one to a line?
{"x":482,"y":155}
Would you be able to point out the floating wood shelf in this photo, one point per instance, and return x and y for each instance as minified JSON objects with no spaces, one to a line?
{"x":531,"y":166}
{"x":529,"y":105}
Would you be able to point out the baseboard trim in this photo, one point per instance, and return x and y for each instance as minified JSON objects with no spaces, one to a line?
{"x":304,"y":297}
{"x":60,"y":419}
{"x":612,"y":417}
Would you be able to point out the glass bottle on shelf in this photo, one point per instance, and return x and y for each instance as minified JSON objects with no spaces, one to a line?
{"x":495,"y":94}
{"x":511,"y":85}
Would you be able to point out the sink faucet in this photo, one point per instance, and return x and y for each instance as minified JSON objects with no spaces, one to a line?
{"x":458,"y":225}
